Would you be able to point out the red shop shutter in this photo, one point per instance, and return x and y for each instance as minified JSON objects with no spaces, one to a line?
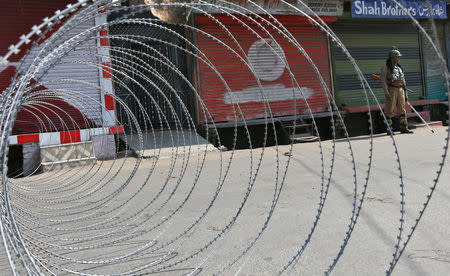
{"x":59,"y":112}
{"x":282,"y":93}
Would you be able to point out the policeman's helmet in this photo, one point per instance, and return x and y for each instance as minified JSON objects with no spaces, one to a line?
{"x":394,"y":53}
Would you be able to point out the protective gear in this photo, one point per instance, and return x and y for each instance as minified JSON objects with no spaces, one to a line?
{"x":407,"y":131}
{"x":389,"y":130}
{"x":394,"y":53}
{"x":404,"y":124}
{"x":394,"y":87}
{"x":389,"y":121}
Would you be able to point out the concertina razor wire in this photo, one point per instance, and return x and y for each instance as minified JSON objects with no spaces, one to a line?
{"x":139,"y":214}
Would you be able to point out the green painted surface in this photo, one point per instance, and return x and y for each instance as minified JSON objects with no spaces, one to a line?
{"x":434,"y":70}
{"x":378,"y":40}
{"x":436,"y":87}
{"x":352,"y":98}
{"x":369,"y":45}
{"x":342,"y":67}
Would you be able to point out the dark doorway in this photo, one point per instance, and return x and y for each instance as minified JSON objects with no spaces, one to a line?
{"x":143,"y":56}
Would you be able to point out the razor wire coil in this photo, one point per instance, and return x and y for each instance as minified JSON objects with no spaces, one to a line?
{"x":42,"y":224}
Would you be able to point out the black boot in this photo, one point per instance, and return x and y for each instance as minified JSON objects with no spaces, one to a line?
{"x":406,"y":130}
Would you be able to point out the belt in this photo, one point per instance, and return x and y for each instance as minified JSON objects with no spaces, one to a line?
{"x":391,"y":85}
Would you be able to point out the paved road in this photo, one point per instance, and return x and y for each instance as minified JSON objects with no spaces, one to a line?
{"x":368,"y":252}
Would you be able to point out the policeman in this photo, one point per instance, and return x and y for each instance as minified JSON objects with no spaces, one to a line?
{"x":394,"y":86}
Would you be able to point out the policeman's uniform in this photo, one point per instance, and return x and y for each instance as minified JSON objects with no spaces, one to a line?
{"x":394,"y":84}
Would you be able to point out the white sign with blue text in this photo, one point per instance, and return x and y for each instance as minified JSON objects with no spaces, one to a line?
{"x":389,"y":9}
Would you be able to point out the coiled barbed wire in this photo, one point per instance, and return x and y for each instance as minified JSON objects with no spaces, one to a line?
{"x":70,"y":220}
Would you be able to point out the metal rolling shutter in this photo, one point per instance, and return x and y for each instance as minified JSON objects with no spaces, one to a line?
{"x":447,"y":42}
{"x":17,"y":18}
{"x":157,"y":42}
{"x":433,"y":72}
{"x":369,"y":43}
{"x":275,"y":79}
{"x":75,"y":66}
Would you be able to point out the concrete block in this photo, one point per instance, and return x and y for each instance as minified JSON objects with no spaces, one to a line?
{"x":104,"y":147}
{"x":31,"y":158}
{"x":59,"y":165}
{"x":66,"y":152}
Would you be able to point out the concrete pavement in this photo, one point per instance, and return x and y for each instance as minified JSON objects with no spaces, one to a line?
{"x":182,"y":189}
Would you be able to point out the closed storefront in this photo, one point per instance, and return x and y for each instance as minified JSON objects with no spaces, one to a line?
{"x":282,"y":79}
{"x":67,"y":95}
{"x":369,"y":43}
{"x":447,"y":42}
{"x":152,"y":84}
{"x":433,"y":67}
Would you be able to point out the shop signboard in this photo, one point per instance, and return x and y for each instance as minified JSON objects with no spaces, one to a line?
{"x":319,"y":7}
{"x":390,"y":9}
